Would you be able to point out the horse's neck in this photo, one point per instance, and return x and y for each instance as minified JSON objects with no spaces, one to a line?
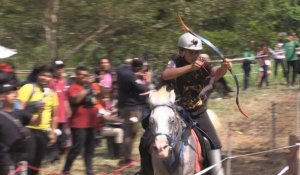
{"x":180,"y":127}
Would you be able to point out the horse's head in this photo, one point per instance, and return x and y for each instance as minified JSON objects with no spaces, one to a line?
{"x":164,"y":122}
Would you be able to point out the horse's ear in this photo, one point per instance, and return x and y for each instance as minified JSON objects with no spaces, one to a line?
{"x":161,"y":96}
{"x":151,"y":96}
{"x":172,"y":96}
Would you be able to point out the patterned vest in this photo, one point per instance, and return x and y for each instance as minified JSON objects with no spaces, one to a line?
{"x":189,"y":86}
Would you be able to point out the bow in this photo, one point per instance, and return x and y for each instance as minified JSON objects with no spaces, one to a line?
{"x":220,"y":54}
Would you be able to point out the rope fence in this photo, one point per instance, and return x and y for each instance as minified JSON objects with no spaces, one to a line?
{"x":284,"y":170}
{"x":22,"y":169}
{"x":119,"y":170}
{"x":19,"y":169}
{"x":245,"y":155}
{"x":292,"y":161}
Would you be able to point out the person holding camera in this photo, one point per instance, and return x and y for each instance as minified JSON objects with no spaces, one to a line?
{"x":132,"y":82}
{"x":38,"y":99}
{"x":83,"y":120}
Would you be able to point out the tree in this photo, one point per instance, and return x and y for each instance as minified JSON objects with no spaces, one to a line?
{"x":82,"y":31}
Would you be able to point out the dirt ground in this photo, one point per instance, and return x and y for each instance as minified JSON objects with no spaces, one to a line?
{"x":249,"y":135}
{"x":259,"y":132}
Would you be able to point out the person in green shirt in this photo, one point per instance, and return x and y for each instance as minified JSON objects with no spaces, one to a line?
{"x":291,"y":57}
{"x":249,"y":54}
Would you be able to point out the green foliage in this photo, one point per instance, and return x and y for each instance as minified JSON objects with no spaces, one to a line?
{"x":139,"y":28}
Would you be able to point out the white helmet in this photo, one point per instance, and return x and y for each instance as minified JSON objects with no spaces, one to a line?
{"x":190,"y":42}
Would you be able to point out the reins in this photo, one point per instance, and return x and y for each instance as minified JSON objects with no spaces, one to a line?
{"x":171,"y":138}
{"x":175,"y":139}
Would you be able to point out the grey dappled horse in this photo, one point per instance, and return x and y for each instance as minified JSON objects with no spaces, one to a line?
{"x":173,"y":148}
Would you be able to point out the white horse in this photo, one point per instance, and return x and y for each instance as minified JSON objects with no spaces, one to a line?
{"x":173,"y":148}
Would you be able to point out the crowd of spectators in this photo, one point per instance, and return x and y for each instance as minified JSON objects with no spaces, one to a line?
{"x":48,"y":116}
{"x":284,"y":53}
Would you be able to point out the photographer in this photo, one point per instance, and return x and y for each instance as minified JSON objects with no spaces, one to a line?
{"x":132,"y":82}
{"x":83,"y":120}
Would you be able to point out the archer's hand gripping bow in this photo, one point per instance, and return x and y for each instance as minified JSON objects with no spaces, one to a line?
{"x":220,"y":54}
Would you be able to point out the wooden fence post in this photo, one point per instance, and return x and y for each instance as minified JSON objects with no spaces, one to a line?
{"x":229,"y":149}
{"x":293,"y":158}
{"x":273,"y":125}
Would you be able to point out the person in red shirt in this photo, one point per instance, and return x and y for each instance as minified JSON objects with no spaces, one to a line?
{"x":264,"y":54}
{"x":83,"y":121}
{"x":58,"y":85}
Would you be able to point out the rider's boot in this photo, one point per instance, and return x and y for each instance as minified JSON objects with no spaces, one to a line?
{"x":214,"y":158}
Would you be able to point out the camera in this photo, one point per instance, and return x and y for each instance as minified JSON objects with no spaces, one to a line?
{"x":33,"y":107}
{"x":89,"y":100}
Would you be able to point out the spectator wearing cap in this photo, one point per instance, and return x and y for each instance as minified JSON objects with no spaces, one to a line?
{"x":12,"y":133}
{"x":58,"y":85}
{"x":130,"y":88}
{"x":38,"y":98}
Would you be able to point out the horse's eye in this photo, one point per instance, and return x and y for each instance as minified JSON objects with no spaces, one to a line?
{"x":172,"y":121}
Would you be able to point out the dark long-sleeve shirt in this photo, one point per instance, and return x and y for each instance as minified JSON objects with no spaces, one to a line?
{"x":129,"y":88}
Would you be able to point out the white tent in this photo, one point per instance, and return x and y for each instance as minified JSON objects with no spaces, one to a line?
{"x":5,"y":52}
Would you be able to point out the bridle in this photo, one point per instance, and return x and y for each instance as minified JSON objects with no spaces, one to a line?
{"x":176,"y":140}
{"x":173,"y":138}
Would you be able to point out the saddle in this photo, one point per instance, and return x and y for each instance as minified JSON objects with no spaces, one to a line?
{"x":206,"y":145}
{"x":205,"y":142}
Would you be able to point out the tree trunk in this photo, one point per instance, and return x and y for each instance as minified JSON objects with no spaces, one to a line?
{"x":50,"y":26}
{"x":73,"y":50}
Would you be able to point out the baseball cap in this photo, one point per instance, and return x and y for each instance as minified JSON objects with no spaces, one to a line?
{"x":6,"y":87}
{"x":6,"y":68}
{"x":59,"y":64}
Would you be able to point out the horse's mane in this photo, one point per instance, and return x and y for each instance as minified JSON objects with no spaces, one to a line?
{"x":161,"y":83}
{"x":161,"y":96}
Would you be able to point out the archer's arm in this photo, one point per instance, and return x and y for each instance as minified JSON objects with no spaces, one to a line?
{"x":172,"y":72}
{"x":219,"y":72}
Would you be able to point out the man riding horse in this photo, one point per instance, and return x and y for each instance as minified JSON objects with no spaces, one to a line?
{"x":190,"y":75}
